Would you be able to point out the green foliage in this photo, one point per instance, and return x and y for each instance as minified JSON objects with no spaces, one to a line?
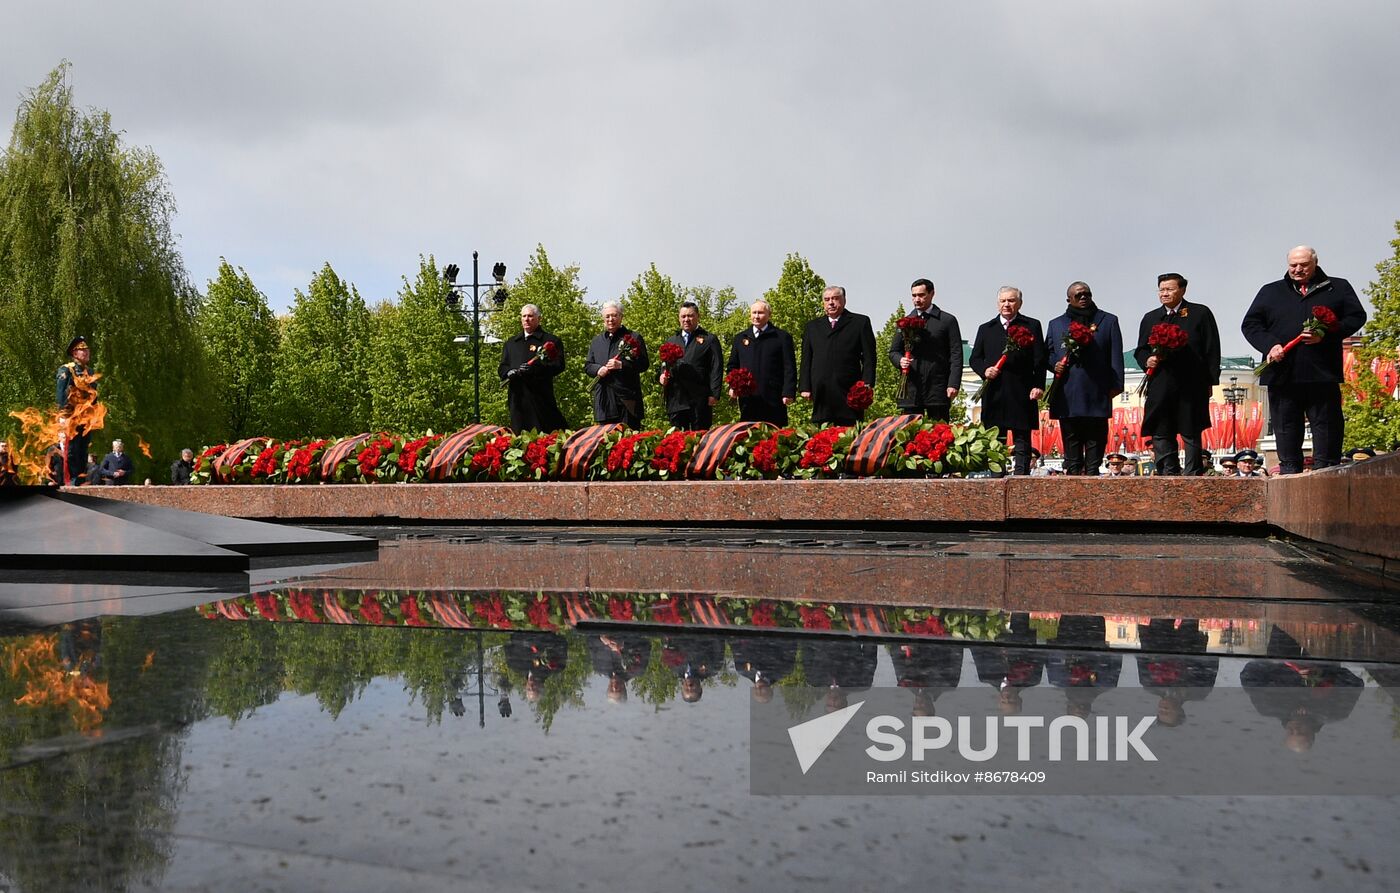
{"x":86,"y":248}
{"x":323,"y":361}
{"x":418,"y":377}
{"x":1372,"y":416}
{"x":240,"y":335}
{"x":886,"y":375}
{"x":563,"y":311}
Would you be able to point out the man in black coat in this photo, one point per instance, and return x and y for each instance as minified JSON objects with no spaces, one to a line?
{"x":618,"y":394}
{"x":117,"y":466}
{"x":1011,"y":399}
{"x":838,"y":350}
{"x":1179,"y":382}
{"x":1305,"y":382}
{"x":767,"y":352}
{"x":936,"y":365}
{"x":528,"y":367}
{"x":183,"y":467}
{"x":693,"y":387}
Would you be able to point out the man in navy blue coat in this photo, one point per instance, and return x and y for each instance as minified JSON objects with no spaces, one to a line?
{"x":117,"y":466}
{"x":1305,"y":382}
{"x":1083,"y":403}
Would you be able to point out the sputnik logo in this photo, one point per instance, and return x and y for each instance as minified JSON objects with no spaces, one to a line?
{"x":810,"y":739}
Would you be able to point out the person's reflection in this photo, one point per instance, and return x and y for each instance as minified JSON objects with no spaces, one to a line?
{"x":765,"y":662}
{"x":1174,"y":678}
{"x":536,"y":656}
{"x":693,"y":659}
{"x":619,"y":656}
{"x":1007,"y":669}
{"x":839,"y":666}
{"x":929,"y":668}
{"x":1303,"y":695}
{"x":80,"y":647}
{"x":1083,"y":675}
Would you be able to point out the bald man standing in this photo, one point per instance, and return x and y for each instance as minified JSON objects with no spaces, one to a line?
{"x":1304,"y":383}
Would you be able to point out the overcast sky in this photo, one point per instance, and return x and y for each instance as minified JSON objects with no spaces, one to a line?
{"x":975,"y":143}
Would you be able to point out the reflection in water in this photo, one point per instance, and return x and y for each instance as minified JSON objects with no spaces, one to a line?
{"x":161,"y":674}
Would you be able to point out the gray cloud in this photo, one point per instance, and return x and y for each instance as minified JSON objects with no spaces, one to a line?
{"x":976,"y":144}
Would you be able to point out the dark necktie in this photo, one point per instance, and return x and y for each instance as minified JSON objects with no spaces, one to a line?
{"x":685,"y":338}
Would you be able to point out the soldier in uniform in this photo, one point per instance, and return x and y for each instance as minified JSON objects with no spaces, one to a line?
{"x":1247,"y":463}
{"x":693,"y":387}
{"x":74,"y":385}
{"x":528,"y":367}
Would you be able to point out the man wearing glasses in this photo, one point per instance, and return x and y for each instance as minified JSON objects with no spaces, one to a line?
{"x":1092,"y":376}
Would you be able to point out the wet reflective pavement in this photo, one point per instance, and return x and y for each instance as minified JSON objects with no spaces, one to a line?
{"x":570,"y":710}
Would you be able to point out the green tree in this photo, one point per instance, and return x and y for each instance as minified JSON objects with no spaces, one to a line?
{"x":560,"y":298}
{"x":323,"y":361}
{"x":1372,"y":415}
{"x":240,"y":336}
{"x":86,"y":248}
{"x":418,"y":377}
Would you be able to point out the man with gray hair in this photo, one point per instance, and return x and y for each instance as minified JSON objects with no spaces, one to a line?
{"x":117,"y":466}
{"x":182,"y":468}
{"x":767,"y":352}
{"x":1305,"y":382}
{"x":530,"y":362}
{"x":616,"y":360}
{"x":1010,"y":397}
{"x":838,"y":350}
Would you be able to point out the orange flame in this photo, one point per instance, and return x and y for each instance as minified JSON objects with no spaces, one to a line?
{"x":143,"y":446}
{"x":41,"y":429}
{"x":50,"y":685}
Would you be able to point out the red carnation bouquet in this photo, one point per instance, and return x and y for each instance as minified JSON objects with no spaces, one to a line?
{"x":911,"y":328}
{"x":1076,"y":339}
{"x":1165,"y":338}
{"x":629,"y":346}
{"x":860,"y":396}
{"x":1017,"y":338}
{"x":741,"y":382}
{"x":1322,"y":321}
{"x":670,"y":354}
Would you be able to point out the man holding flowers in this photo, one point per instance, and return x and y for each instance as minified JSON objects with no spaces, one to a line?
{"x":617,"y":357}
{"x":1178,"y":348}
{"x":691,"y":381}
{"x":927,"y":353}
{"x":1086,"y":350}
{"x":1298,"y":323}
{"x":768,"y":355}
{"x":530,"y":362}
{"x":1009,"y":355}
{"x":838,"y":350}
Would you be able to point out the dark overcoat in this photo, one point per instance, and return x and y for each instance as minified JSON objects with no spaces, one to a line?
{"x":1178,"y":392}
{"x":833,"y":359}
{"x":1096,"y":377}
{"x":530,"y":392}
{"x":937,"y":359}
{"x":772,"y":360}
{"x":1006,"y":403}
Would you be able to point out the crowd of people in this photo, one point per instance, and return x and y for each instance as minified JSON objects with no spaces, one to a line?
{"x":1297,"y":323}
{"x":1075,"y":363}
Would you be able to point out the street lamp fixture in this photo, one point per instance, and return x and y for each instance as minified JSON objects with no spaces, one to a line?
{"x":496,"y":297}
{"x":1234,"y":396}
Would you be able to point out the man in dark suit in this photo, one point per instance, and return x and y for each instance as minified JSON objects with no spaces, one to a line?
{"x":618,"y":394}
{"x":767,"y":352}
{"x":838,"y":350}
{"x":693,"y":387}
{"x":1180,"y":381}
{"x":117,"y":466}
{"x":528,"y":367}
{"x":183,"y":467}
{"x":1083,"y":403}
{"x":1305,"y":382}
{"x":1010,"y":400}
{"x":936,"y":365}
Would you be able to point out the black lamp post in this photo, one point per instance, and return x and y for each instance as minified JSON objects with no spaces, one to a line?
{"x":496,"y":295}
{"x":1234,"y":396}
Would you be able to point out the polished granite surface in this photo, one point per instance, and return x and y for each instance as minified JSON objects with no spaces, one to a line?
{"x":530,"y":710}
